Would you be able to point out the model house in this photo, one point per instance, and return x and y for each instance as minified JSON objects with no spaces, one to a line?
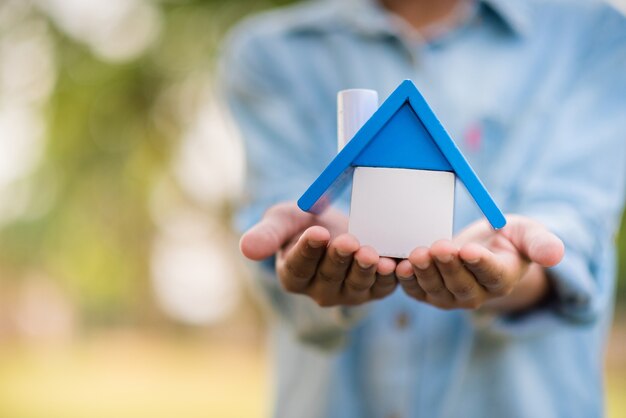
{"x":403,"y":166}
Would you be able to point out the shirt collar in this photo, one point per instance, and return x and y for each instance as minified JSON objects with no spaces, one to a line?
{"x":516,"y":15}
{"x":369,"y":17}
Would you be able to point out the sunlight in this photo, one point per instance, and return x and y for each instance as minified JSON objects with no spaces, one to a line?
{"x":116,"y":30}
{"x":193,"y":274}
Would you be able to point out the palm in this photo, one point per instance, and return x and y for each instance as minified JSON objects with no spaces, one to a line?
{"x":512,"y":262}
{"x":481,"y":265}
{"x":316,"y":257}
{"x":332,"y":220}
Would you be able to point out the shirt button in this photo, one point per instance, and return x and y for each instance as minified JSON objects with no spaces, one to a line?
{"x":402,"y":320}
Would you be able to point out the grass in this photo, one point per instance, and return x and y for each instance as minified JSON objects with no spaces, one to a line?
{"x":124,"y":376}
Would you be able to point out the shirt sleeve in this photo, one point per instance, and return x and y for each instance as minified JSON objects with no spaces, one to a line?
{"x":575,"y":185}
{"x":284,"y":154}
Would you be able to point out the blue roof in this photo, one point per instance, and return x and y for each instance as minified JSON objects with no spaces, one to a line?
{"x":403,"y":133}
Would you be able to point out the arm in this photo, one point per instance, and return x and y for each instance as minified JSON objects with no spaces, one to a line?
{"x":285,"y":151}
{"x":573,"y":185}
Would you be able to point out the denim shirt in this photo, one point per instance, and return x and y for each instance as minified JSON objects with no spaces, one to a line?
{"x":534,"y":94}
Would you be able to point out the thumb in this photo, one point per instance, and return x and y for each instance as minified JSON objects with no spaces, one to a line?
{"x":534,"y":241}
{"x":278,"y":226}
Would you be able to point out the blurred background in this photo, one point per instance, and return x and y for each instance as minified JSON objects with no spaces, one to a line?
{"x":121,"y":289}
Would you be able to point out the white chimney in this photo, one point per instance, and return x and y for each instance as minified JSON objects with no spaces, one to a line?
{"x":354,"y":108}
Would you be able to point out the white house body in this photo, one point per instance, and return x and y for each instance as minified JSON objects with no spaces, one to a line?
{"x":403,"y":166}
{"x":397,"y":210}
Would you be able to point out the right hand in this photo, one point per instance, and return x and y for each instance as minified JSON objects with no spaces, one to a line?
{"x":315,"y":256}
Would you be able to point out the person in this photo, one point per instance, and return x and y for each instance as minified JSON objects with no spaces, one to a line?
{"x":508,"y":323}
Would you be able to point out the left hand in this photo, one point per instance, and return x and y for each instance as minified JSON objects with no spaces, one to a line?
{"x":502,"y":270}
{"x":316,"y":257}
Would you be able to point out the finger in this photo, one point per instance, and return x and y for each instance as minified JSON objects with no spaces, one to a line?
{"x":297,"y":267}
{"x":361,"y":276}
{"x":428,"y":277}
{"x":408,"y":281}
{"x":279,"y":224}
{"x":534,"y":241}
{"x":386,"y":281}
{"x":325,"y":287}
{"x":457,"y":279}
{"x":489,"y":269}
{"x":386,"y":266}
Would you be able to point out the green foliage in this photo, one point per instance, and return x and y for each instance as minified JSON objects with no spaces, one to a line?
{"x":621,"y":278}
{"x":107,"y":143}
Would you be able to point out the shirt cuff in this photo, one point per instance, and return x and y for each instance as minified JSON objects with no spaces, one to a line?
{"x":325,"y":328}
{"x":577,"y":300}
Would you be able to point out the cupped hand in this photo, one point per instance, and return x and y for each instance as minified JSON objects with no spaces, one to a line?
{"x":315,"y":256}
{"x":502,"y":270}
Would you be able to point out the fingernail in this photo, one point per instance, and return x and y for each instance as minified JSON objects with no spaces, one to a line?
{"x":363,"y":265}
{"x":473,"y":261}
{"x":423,"y":265}
{"x":316,"y":244}
{"x":444,"y":258}
{"x":343,"y":254}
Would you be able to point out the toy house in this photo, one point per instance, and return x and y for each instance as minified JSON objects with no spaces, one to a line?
{"x":404,"y":167}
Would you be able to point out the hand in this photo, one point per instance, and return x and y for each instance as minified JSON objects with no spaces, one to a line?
{"x":316,"y":257}
{"x":502,"y":270}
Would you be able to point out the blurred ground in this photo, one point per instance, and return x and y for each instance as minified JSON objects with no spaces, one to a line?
{"x":616,"y":370}
{"x":134,"y":375}
{"x":126,"y":375}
